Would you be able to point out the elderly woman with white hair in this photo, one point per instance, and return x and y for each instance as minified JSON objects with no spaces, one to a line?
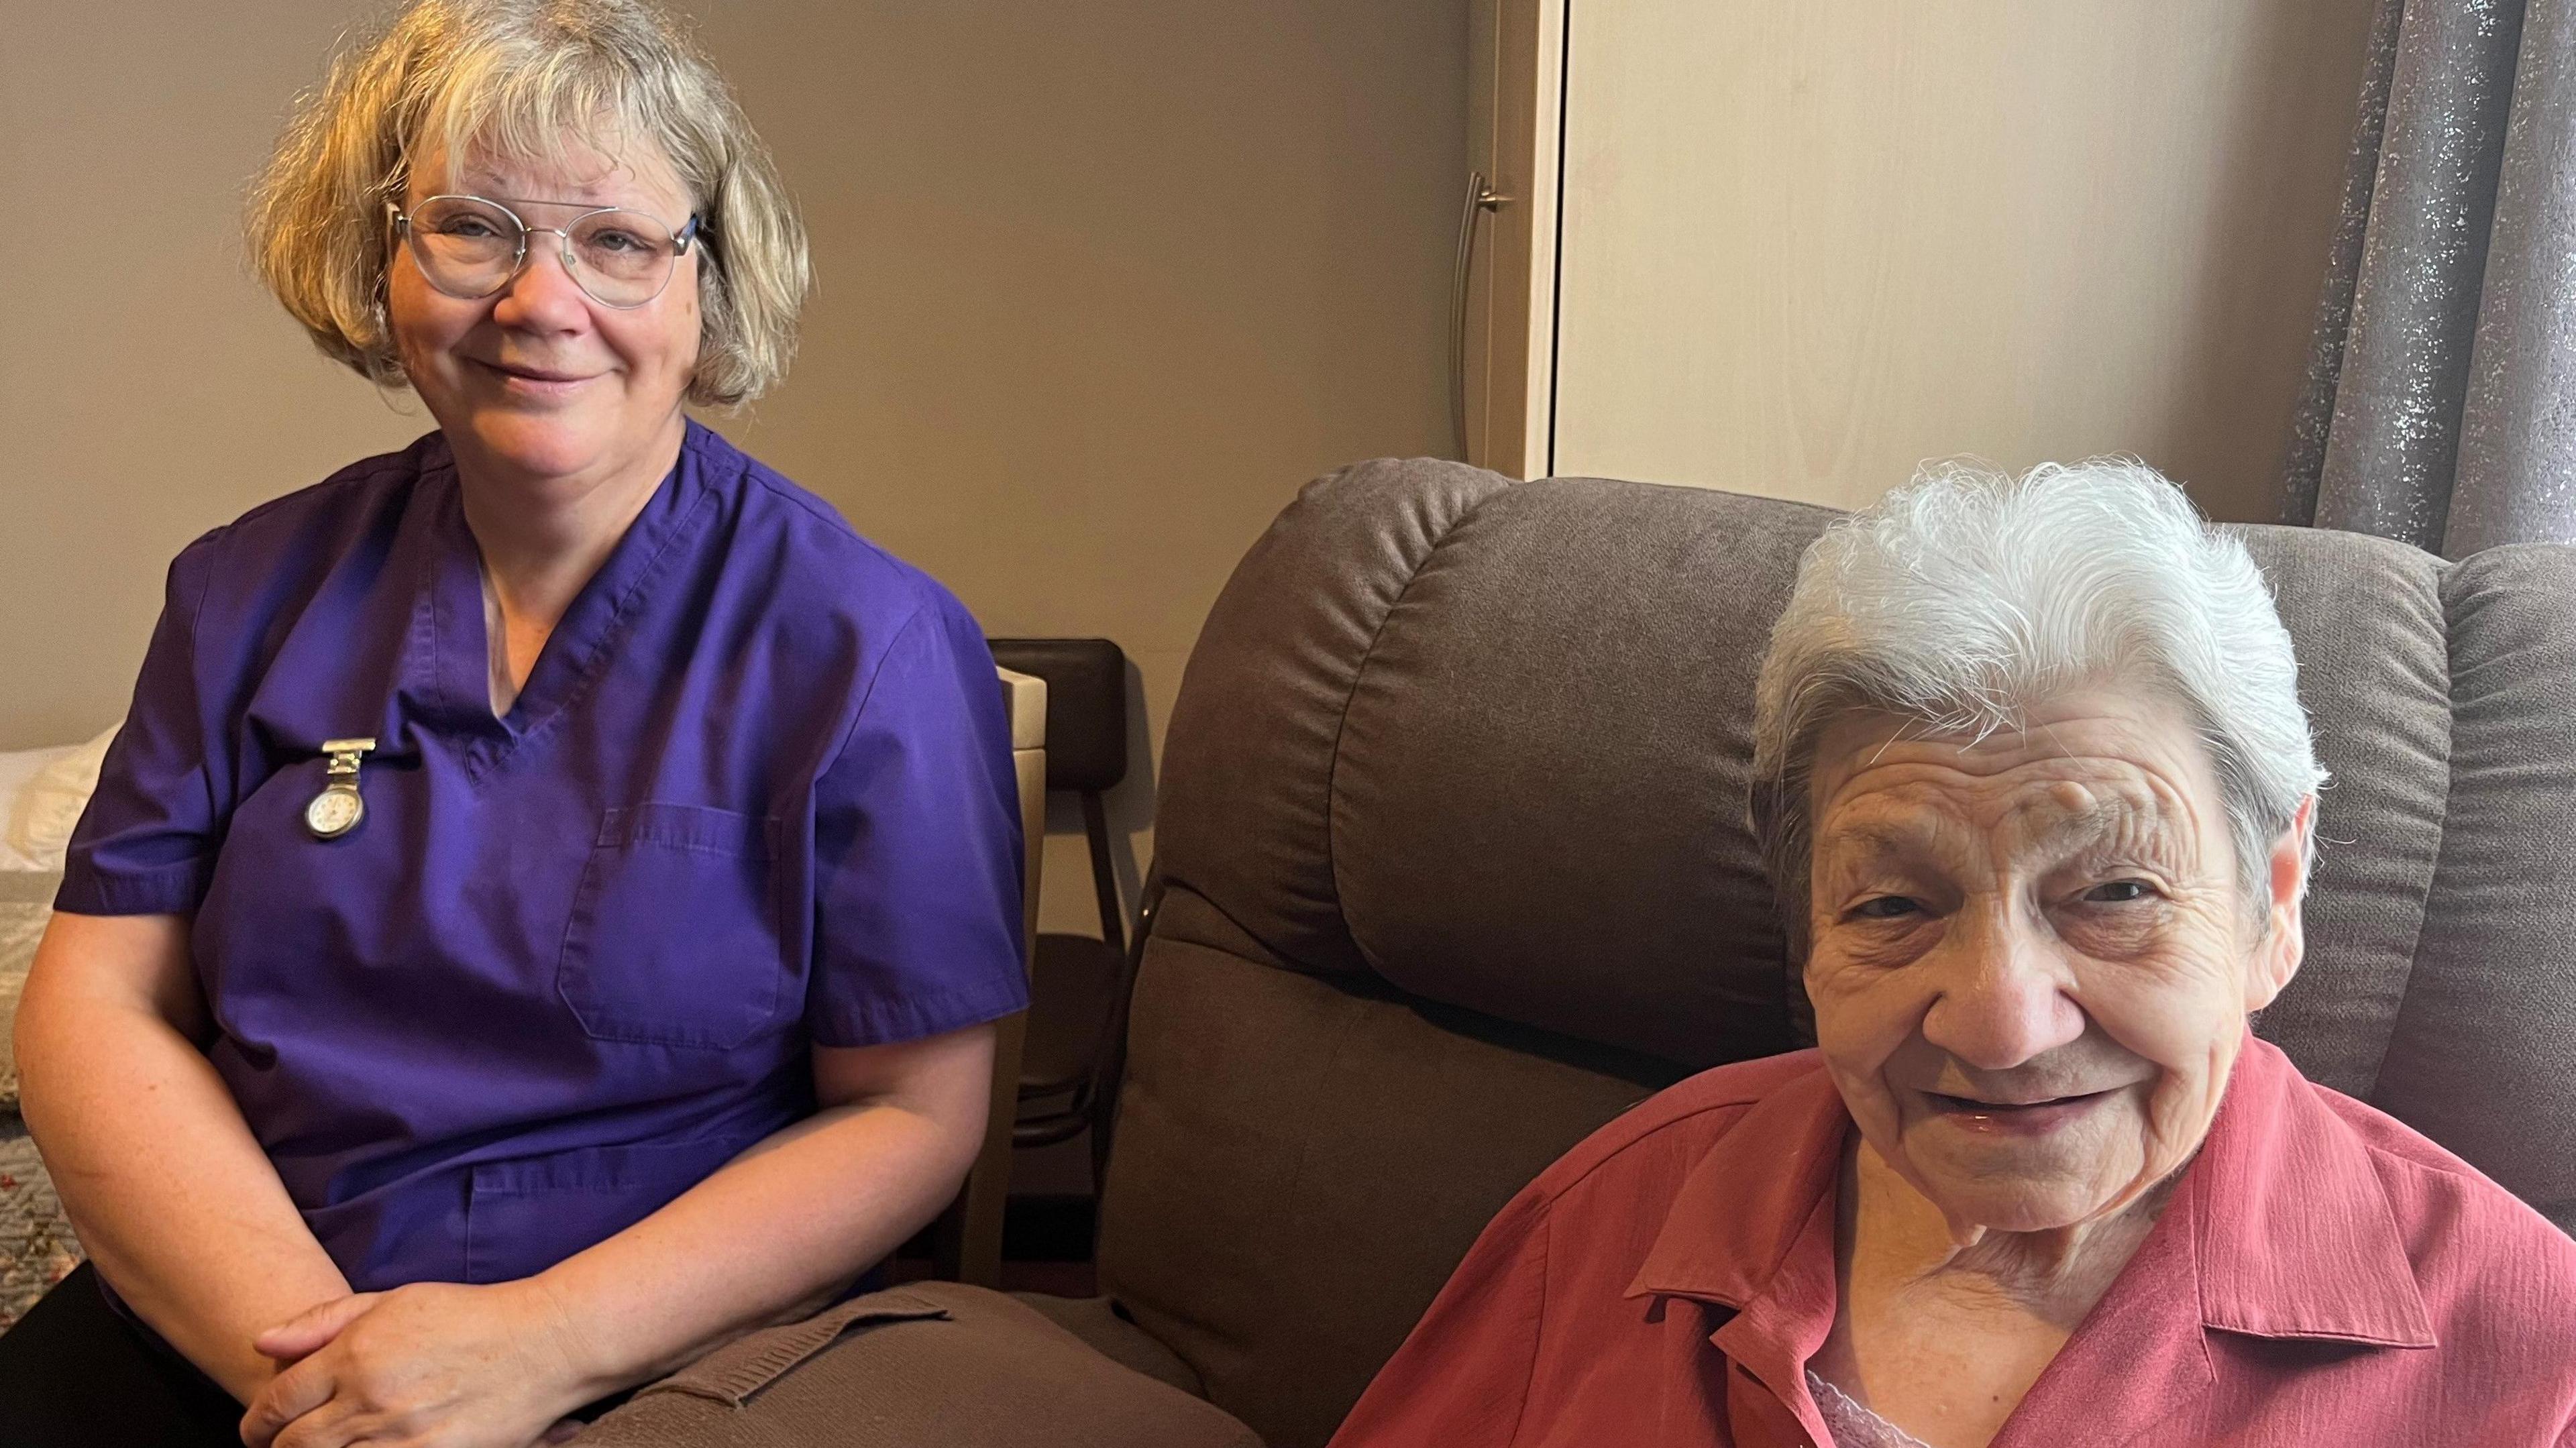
{"x":2035,"y":787}
{"x":543,"y":913}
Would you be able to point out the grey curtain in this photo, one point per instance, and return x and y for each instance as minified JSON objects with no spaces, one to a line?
{"x":2440,"y":401}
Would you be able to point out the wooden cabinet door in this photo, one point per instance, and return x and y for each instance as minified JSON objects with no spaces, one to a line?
{"x":1806,"y":244}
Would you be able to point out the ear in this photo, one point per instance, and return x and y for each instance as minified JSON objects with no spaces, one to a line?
{"x":2277,"y":955}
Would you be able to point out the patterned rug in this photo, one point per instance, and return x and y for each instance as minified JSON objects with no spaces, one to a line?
{"x":37,"y":1248}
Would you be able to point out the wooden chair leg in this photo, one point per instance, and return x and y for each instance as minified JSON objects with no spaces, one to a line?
{"x":988,"y":1186}
{"x":966,"y":1241}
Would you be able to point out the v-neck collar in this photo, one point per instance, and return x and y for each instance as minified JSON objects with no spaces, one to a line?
{"x":497,"y":681}
{"x":452,"y":659}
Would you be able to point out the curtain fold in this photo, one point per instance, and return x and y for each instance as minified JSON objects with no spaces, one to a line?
{"x":2440,"y":402}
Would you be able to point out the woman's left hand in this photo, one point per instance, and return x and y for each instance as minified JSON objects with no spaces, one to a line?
{"x":431,"y":1365}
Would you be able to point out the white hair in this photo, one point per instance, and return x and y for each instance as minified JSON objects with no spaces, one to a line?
{"x":1968,"y":596}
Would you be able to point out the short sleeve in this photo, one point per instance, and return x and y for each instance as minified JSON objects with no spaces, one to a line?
{"x":1462,"y":1378}
{"x":146,"y":843}
{"x":917,"y":848}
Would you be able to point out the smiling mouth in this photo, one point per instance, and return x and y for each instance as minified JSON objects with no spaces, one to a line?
{"x":2007,"y":1120}
{"x":1972,"y":1104}
{"x":527,"y":375}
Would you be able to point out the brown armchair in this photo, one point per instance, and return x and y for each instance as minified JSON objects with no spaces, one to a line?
{"x":1455,"y":869}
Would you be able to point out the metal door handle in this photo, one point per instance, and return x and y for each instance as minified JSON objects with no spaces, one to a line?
{"x":1481,"y":198}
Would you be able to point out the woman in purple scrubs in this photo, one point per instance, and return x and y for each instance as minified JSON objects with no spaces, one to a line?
{"x":543,"y":914}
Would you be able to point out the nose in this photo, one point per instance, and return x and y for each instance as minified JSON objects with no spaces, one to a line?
{"x":543,"y":296}
{"x":2001,"y":990}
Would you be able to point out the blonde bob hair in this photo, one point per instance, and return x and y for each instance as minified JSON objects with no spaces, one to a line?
{"x":525,"y":80}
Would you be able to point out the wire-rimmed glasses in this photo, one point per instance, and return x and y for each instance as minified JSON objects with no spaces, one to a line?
{"x":470,"y":248}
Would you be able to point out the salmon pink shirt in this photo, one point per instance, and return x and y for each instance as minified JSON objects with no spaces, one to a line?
{"x":2322,"y":1275}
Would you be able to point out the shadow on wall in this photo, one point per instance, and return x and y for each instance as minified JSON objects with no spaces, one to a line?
{"x":2254,"y":299}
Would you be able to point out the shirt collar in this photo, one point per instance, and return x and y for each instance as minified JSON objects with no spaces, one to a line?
{"x":1742,"y":1207}
{"x":2292,"y":1233}
{"x":2297,"y":1237}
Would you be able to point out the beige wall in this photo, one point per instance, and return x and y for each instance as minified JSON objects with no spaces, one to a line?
{"x":1099,"y":285}
{"x":148,"y":389}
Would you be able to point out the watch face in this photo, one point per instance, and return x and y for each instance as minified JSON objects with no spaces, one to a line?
{"x":334,"y":812}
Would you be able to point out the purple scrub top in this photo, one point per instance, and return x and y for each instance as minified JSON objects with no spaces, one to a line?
{"x":756,"y":795}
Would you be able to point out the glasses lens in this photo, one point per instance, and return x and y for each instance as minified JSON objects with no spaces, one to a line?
{"x":466,"y":248}
{"x":624,"y":258}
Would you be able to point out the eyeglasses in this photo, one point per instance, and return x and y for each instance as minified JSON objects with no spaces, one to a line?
{"x":470,"y":248}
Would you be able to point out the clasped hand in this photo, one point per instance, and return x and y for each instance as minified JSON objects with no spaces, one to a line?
{"x":431,"y":1365}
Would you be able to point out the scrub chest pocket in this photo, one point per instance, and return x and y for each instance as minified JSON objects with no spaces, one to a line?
{"x":674,"y":938}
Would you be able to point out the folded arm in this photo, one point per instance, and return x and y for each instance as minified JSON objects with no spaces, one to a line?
{"x":172,"y":1196}
{"x":787,"y":1225}
{"x":771,"y":1236}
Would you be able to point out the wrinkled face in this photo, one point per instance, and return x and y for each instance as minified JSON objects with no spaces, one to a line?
{"x":539,"y":380}
{"x":2031,"y":957}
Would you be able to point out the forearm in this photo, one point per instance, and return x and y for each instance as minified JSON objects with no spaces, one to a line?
{"x":778,"y":1229}
{"x":171,"y":1195}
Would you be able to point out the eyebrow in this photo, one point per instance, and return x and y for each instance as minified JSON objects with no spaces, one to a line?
{"x":1877,"y":836}
{"x":600,"y":203}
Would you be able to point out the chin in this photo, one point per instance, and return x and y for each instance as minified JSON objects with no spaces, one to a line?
{"x":2040,"y":1207}
{"x":2020,"y":1190}
{"x":540,"y":444}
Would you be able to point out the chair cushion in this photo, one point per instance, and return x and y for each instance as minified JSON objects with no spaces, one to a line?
{"x":2365,"y":618}
{"x":1538,"y":798}
{"x":1299,"y":1164}
{"x":2482,"y":1056}
{"x":1488,"y":742}
{"x":1106,"y":1328}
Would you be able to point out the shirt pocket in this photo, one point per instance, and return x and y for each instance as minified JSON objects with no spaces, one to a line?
{"x":675,"y":935}
{"x":525,"y":1215}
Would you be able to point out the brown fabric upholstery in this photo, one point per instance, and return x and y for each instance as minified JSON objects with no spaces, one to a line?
{"x":1300,"y":1165}
{"x":931,"y":1363}
{"x":1292,"y":628}
{"x":2365,"y":616}
{"x":1452,"y":809}
{"x":1558,"y":709}
{"x":2483,"y":1057}
{"x":1103,"y":1328}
